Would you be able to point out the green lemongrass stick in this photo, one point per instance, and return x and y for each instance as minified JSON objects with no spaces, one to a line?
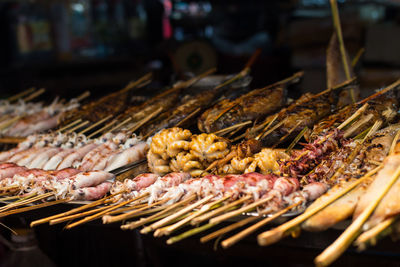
{"x":330,"y":254}
{"x":189,"y":233}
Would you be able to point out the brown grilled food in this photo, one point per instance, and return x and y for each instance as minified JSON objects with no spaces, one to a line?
{"x":111,"y":104}
{"x":251,"y":106}
{"x":186,"y":106}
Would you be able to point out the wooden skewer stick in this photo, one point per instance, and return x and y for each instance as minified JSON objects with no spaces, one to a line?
{"x":34,"y":95}
{"x":76,"y":210}
{"x":239,"y":236}
{"x":224,"y":208}
{"x":190,"y":116}
{"x":296,"y":139}
{"x":83,"y":96}
{"x":246,"y":208}
{"x":9,"y":122}
{"x":381,"y":92}
{"x":75,"y":216}
{"x":169,"y":229}
{"x":133,"y":225}
{"x":22,"y":94}
{"x":100,"y":214}
{"x":137,"y":82}
{"x":102,"y":129}
{"x":119,"y":125}
{"x":189,"y":233}
{"x":142,"y":122}
{"x":233,"y":127}
{"x":77,"y":127}
{"x":34,"y":207}
{"x":354,"y":116}
{"x":128,"y":215}
{"x":178,"y":214}
{"x":276,"y":234}
{"x":287,"y":134}
{"x":264,"y":133}
{"x":69,"y":125}
{"x":9,"y":198}
{"x":371,"y":236}
{"x":26,"y":201}
{"x":94,"y":125}
{"x":331,"y":253}
{"x":6,"y":188}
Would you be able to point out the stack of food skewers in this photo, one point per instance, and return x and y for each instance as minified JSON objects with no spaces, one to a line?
{"x":232,"y":166}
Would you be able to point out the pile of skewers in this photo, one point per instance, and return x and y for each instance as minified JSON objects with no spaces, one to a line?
{"x":244,"y":157}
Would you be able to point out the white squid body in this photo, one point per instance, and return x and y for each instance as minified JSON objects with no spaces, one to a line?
{"x":76,"y":156}
{"x":93,"y":178}
{"x":57,"y":159}
{"x":129,"y":155}
{"x":40,"y":160}
{"x":29,"y":157}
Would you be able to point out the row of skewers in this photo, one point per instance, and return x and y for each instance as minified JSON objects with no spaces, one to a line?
{"x":198,"y":181}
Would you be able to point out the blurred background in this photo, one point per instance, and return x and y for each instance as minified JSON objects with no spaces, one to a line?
{"x":68,"y":46}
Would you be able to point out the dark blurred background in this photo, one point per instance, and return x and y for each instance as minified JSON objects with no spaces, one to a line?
{"x":68,"y":46}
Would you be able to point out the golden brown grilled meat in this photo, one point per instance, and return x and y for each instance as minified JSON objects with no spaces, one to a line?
{"x":251,"y":106}
{"x":186,"y":106}
{"x":94,"y":111}
{"x":290,"y":121}
{"x":383,"y":107}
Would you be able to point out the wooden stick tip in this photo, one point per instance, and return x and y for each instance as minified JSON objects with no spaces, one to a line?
{"x":269,"y":238}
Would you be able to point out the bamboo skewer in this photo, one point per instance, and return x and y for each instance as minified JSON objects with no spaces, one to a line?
{"x":69,"y":125}
{"x":381,"y":92}
{"x":84,"y":95}
{"x":274,"y":235}
{"x":233,"y":127}
{"x":287,"y":134}
{"x":34,"y":207}
{"x":100,"y":214}
{"x":174,"y":216}
{"x":6,"y":188}
{"x":34,"y":95}
{"x":246,"y":208}
{"x":9,"y":122}
{"x":353,"y":117}
{"x":191,"y":115}
{"x":102,"y":129}
{"x":26,"y":201}
{"x":125,"y":216}
{"x":119,"y":125}
{"x":21,"y":94}
{"x":77,"y":127}
{"x":75,"y":216}
{"x":331,"y":253}
{"x":137,"y":82}
{"x":169,"y":229}
{"x":9,"y":198}
{"x":239,"y":236}
{"x":357,"y":57}
{"x":76,"y":210}
{"x":144,"y":221}
{"x":94,"y":125}
{"x":145,"y":120}
{"x":218,"y":211}
{"x":296,"y":139}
